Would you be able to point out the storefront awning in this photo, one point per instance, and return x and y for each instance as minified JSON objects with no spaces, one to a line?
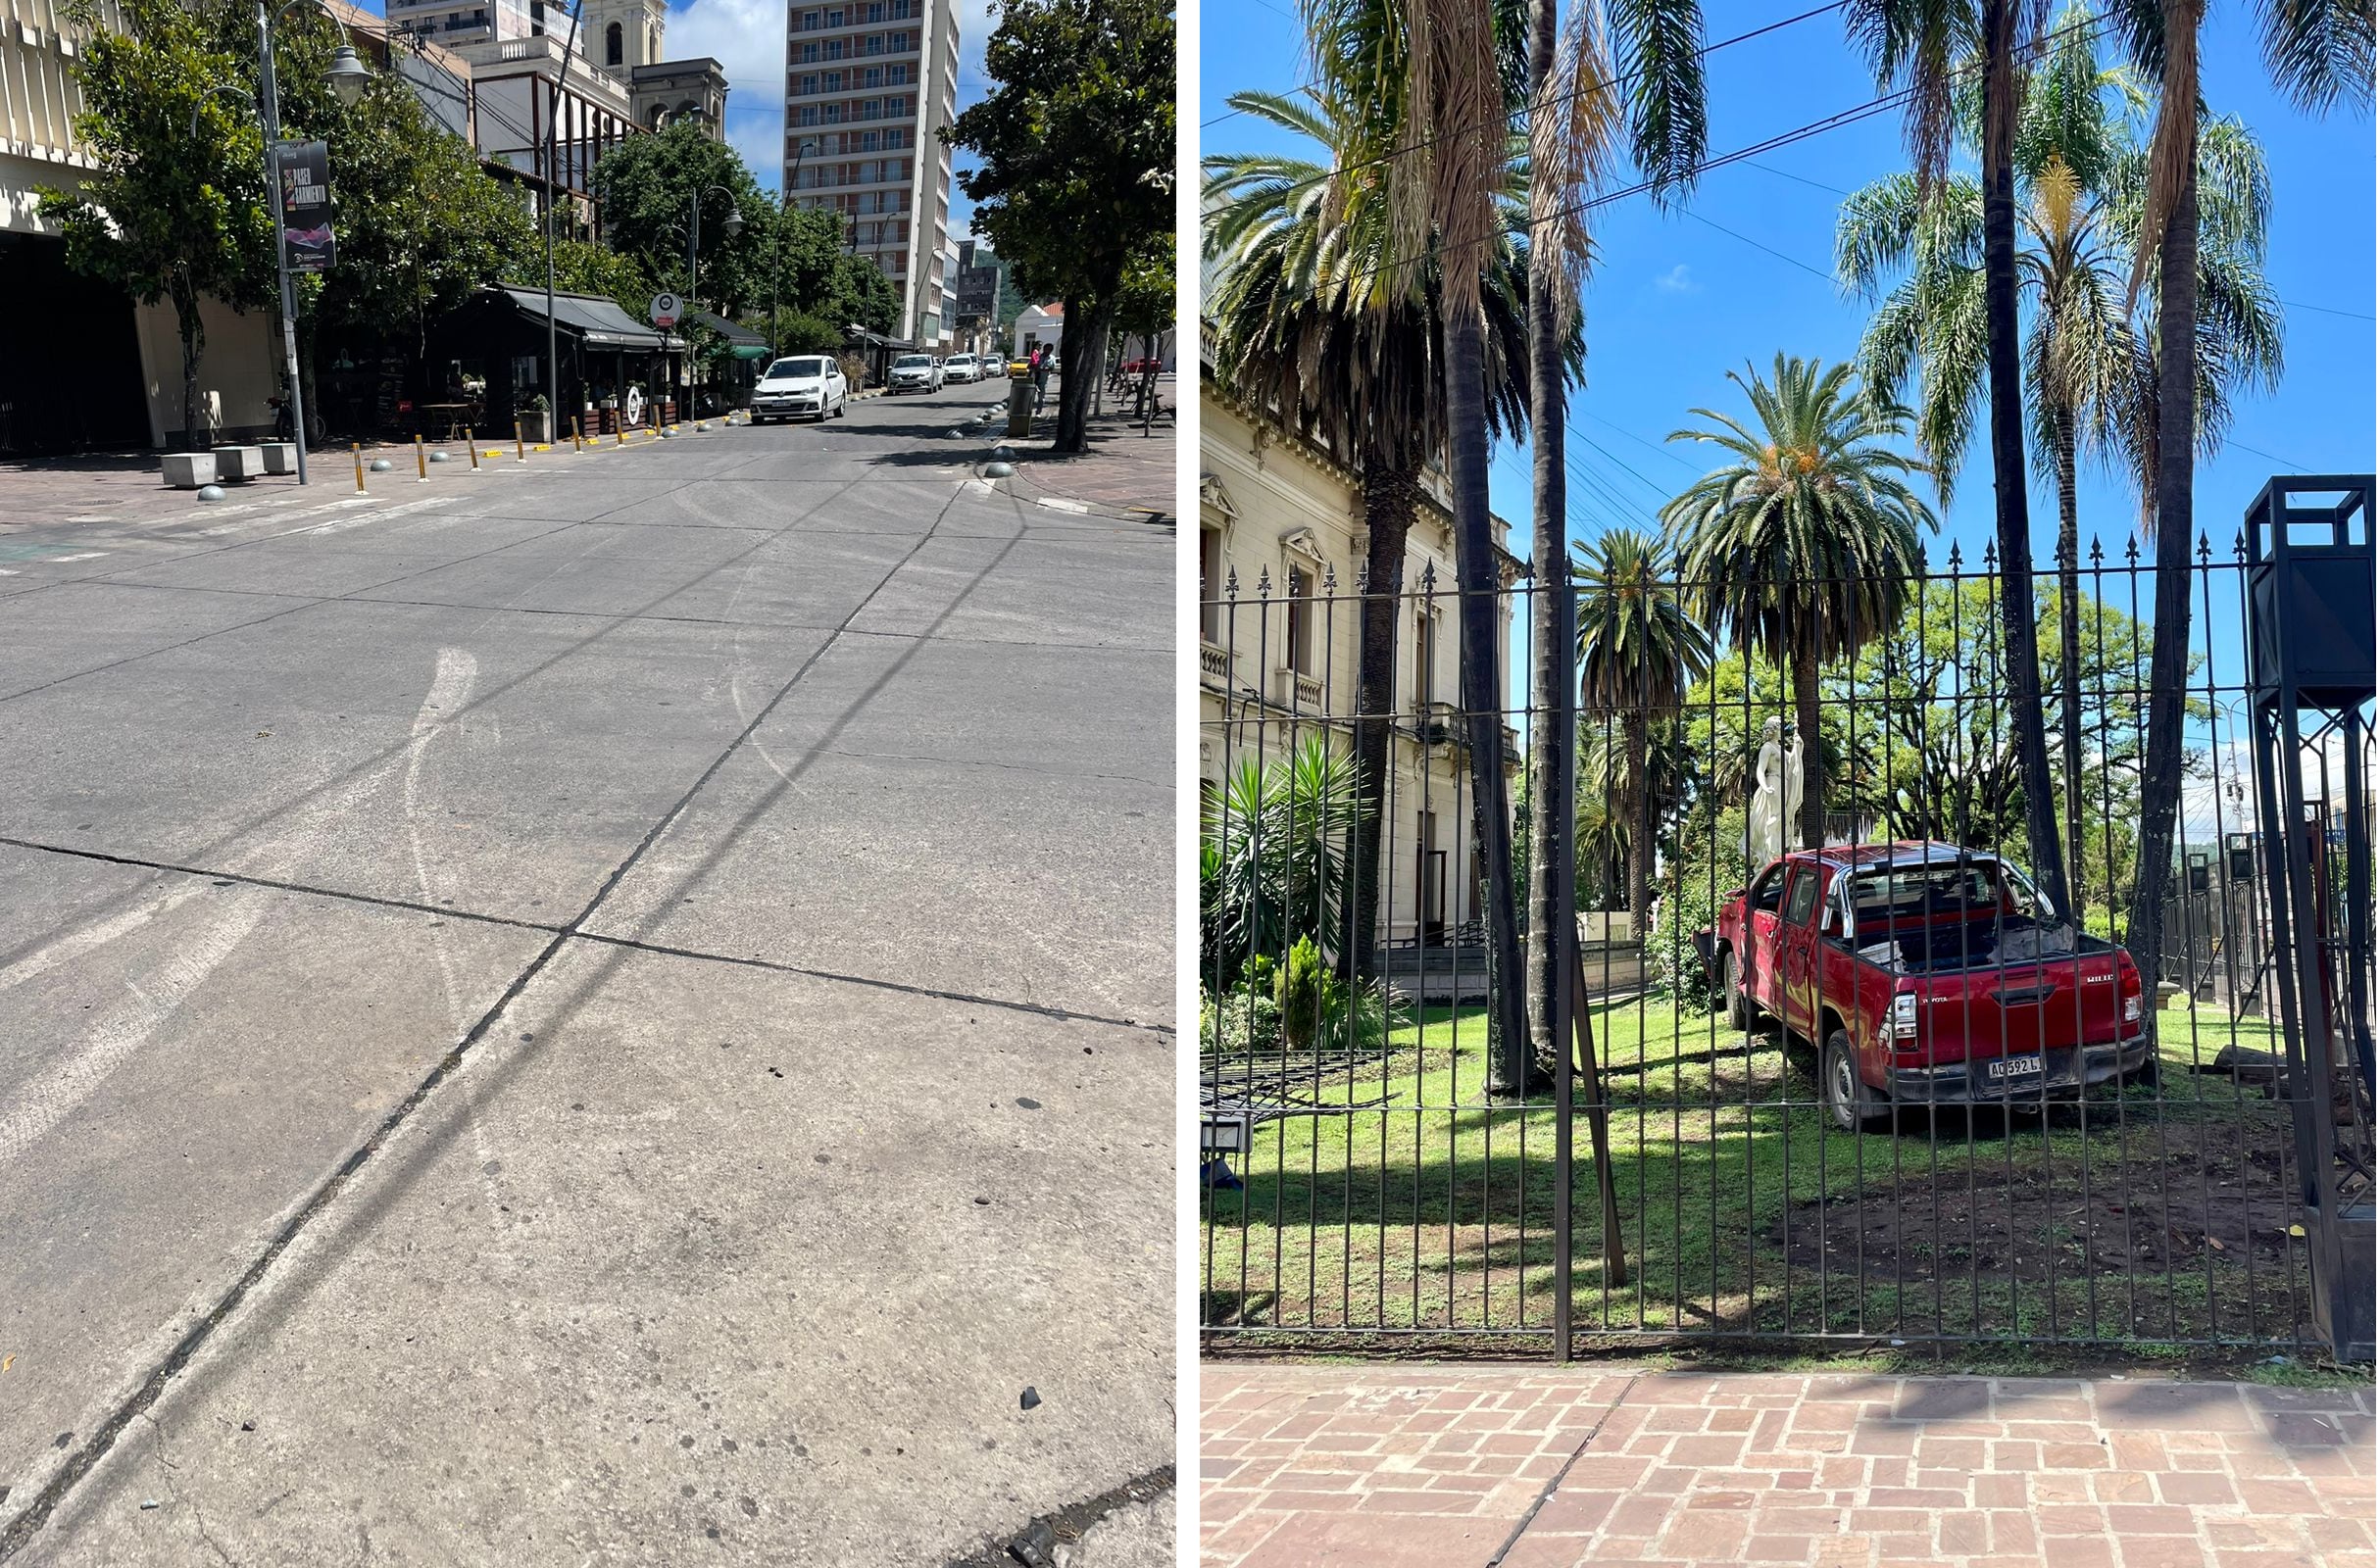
{"x":743,"y":338}
{"x":597,"y":322}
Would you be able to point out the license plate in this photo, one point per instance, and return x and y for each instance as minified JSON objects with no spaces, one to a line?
{"x":2012,"y":1066}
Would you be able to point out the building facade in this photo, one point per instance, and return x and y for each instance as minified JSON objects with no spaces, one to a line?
{"x":677,"y":90}
{"x":1039,"y":326}
{"x":869,"y":85}
{"x":88,"y":367}
{"x":443,"y":22}
{"x":1281,"y":540}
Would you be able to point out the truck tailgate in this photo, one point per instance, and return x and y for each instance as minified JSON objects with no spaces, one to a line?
{"x":2020,"y":1008}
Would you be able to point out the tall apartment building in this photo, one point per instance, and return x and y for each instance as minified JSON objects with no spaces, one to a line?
{"x":445,"y":22}
{"x":869,"y":87}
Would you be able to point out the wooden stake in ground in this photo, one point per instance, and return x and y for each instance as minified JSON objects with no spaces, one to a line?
{"x":357,"y":447}
{"x":1599,"y":1119}
{"x":520,"y":452}
{"x":471,"y":442}
{"x":576,"y":444}
{"x":420,"y":460}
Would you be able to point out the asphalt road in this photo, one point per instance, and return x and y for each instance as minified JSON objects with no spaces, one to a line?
{"x":614,"y":1009}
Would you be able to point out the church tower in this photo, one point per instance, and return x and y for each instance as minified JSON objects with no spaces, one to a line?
{"x":618,"y":35}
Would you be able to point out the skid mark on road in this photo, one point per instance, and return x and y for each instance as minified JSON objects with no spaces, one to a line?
{"x":53,"y":1096}
{"x":67,"y":1084}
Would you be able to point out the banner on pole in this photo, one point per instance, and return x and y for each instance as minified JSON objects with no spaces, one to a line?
{"x":305,"y":196}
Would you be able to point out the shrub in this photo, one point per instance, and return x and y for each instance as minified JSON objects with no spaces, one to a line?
{"x":1305,"y":994}
{"x":1691,"y":890}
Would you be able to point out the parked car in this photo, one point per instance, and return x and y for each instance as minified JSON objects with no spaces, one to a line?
{"x":800,"y":387}
{"x":1018,"y":369}
{"x":916,"y":373}
{"x":959,"y":367}
{"x":1926,"y":974}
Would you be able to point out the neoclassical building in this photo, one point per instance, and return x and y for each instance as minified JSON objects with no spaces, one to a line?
{"x":1281,"y":541}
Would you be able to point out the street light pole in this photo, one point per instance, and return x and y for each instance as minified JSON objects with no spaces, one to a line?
{"x":777,"y":249}
{"x":272,"y":196}
{"x":553,"y":108}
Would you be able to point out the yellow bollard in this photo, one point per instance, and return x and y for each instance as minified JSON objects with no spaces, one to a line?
{"x":620,"y":431}
{"x":357,"y":447}
{"x":520,"y":451}
{"x":576,"y":444}
{"x":420,"y":463}
{"x":471,"y":441}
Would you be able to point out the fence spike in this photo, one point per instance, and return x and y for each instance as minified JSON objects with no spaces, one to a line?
{"x":2239,"y":545}
{"x":1231,"y":582}
{"x":1264,"y":582}
{"x":1362,"y":577}
{"x":1429,"y":576}
{"x":1330,"y":579}
{"x":2097,"y":555}
{"x":2206,"y":553}
{"x":1954,"y":555}
{"x":2132,"y":551}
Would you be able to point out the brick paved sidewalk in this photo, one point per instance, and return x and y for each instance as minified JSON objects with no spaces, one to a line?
{"x":1123,"y":471}
{"x":1390,"y":1466}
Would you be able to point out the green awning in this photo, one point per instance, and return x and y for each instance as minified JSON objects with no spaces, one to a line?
{"x":749,"y":351}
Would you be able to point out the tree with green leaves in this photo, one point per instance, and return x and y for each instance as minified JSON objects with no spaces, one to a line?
{"x":1309,"y":326}
{"x":1579,"y":120}
{"x":650,"y":187}
{"x":166,"y":212}
{"x":1280,"y":830}
{"x":2318,"y":54}
{"x":859,"y":294}
{"x":1073,"y":175}
{"x":1637,"y":652}
{"x":582,"y":267}
{"x":181,"y":214}
{"x":1802,"y":545}
{"x":2089,"y":391}
{"x":1923,"y":718}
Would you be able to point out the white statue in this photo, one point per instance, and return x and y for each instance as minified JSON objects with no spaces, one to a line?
{"x":1776,"y":795}
{"x":1766,"y":822}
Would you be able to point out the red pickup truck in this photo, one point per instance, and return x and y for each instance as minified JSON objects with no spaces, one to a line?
{"x":1926,"y":974}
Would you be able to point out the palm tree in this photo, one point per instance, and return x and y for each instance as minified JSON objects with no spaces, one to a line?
{"x":1801,"y":547}
{"x":1309,"y":329}
{"x":1638,"y":654}
{"x":2318,"y":52}
{"x":1920,"y":41}
{"x":1577,"y":117}
{"x":2086,"y":380}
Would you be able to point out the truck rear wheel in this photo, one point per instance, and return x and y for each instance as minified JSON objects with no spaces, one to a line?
{"x":1849,"y":1099}
{"x":1740,"y":1013}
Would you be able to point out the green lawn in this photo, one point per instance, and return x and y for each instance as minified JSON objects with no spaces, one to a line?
{"x":1406,"y":1203}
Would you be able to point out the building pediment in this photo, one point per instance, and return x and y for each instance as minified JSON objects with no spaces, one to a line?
{"x":1213,"y":495}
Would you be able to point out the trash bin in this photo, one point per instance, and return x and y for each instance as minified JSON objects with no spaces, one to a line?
{"x":1020,"y":408}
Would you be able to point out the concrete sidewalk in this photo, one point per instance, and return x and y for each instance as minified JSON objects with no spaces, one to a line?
{"x":1531,"y":1468}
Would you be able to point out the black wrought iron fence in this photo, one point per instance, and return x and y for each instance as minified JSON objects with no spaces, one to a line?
{"x":1905,"y":1089}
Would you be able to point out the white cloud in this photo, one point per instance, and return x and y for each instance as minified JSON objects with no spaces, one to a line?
{"x":1677,"y":280}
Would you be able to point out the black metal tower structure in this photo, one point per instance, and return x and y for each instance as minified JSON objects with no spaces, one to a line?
{"x":2311,"y":691}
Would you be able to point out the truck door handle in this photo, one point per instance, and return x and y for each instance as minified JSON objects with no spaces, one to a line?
{"x":2018,"y":998}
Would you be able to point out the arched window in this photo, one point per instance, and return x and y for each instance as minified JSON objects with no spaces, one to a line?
{"x":610,"y":44}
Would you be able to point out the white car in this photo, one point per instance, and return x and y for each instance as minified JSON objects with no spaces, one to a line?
{"x":800,"y":387}
{"x":916,"y":373}
{"x":960,"y":367}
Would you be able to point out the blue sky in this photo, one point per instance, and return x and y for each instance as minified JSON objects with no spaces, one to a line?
{"x":1676,"y":303}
